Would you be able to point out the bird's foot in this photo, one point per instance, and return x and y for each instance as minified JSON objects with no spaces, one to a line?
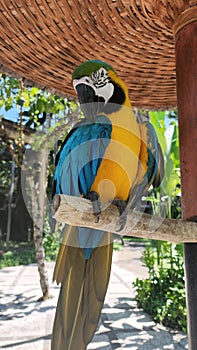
{"x":96,"y":204}
{"x":122,"y":207}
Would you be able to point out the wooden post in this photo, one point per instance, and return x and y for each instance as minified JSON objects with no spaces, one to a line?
{"x":186,"y":69}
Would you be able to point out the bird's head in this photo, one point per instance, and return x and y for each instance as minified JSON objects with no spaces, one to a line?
{"x":99,"y":88}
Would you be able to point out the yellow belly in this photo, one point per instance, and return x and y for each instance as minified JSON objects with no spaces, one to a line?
{"x":119,"y":166}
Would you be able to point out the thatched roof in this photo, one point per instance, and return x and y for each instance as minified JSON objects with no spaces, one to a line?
{"x":44,"y":40}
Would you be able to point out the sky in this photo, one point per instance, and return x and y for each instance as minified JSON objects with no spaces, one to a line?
{"x":12,"y":114}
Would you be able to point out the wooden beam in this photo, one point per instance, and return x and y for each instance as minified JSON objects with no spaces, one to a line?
{"x":77,"y":211}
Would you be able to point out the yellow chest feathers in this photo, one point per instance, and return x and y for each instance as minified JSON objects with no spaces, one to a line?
{"x":119,"y":166}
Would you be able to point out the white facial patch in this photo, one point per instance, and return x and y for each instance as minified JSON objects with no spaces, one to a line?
{"x":84,"y":80}
{"x":106,"y":91}
{"x":99,"y":82}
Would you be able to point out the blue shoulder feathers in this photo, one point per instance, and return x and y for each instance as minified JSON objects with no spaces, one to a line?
{"x":80,"y":156}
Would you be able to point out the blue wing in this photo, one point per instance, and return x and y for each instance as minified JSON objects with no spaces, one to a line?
{"x":150,"y":163}
{"x":77,"y":165}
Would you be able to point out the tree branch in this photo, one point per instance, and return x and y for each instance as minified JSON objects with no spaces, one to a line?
{"x":77,"y":211}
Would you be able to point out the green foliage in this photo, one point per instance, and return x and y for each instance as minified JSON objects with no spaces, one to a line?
{"x":23,"y":253}
{"x":51,"y":242}
{"x":33,"y":100}
{"x":117,"y":246}
{"x":51,"y":245}
{"x":167,"y":132}
{"x":158,"y":120}
{"x":18,"y":254}
{"x":163,"y":293}
{"x":8,"y":90}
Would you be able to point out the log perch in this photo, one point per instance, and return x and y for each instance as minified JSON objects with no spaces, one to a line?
{"x":77,"y":211}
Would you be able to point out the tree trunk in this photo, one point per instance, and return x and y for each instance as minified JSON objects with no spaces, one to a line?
{"x":37,"y":169}
{"x":10,"y":204}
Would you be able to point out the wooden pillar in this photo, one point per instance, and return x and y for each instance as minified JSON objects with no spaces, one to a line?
{"x":186,"y":70}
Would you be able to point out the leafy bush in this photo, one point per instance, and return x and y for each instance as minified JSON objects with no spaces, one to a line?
{"x":23,"y":253}
{"x":163,"y":293}
{"x":51,"y":245}
{"x":18,"y":254}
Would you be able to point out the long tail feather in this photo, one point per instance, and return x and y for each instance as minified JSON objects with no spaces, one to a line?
{"x":83,"y":287}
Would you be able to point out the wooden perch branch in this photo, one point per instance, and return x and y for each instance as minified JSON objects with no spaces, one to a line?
{"x":77,"y":211}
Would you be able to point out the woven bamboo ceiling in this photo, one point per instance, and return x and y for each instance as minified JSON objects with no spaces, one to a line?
{"x":44,"y":40}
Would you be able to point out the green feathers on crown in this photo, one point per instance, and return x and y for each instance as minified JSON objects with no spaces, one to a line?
{"x":88,"y":67}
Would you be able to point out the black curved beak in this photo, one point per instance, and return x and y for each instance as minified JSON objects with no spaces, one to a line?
{"x":85,"y":93}
{"x":88,"y":100}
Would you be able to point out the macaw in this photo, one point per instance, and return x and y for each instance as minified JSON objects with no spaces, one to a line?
{"x":107,"y":157}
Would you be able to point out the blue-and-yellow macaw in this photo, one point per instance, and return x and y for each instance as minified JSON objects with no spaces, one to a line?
{"x":107,"y":157}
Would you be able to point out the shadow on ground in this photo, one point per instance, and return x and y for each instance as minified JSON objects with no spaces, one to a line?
{"x":127,"y":327}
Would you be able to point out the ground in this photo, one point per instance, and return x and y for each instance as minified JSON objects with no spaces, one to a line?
{"x":26,"y":323}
